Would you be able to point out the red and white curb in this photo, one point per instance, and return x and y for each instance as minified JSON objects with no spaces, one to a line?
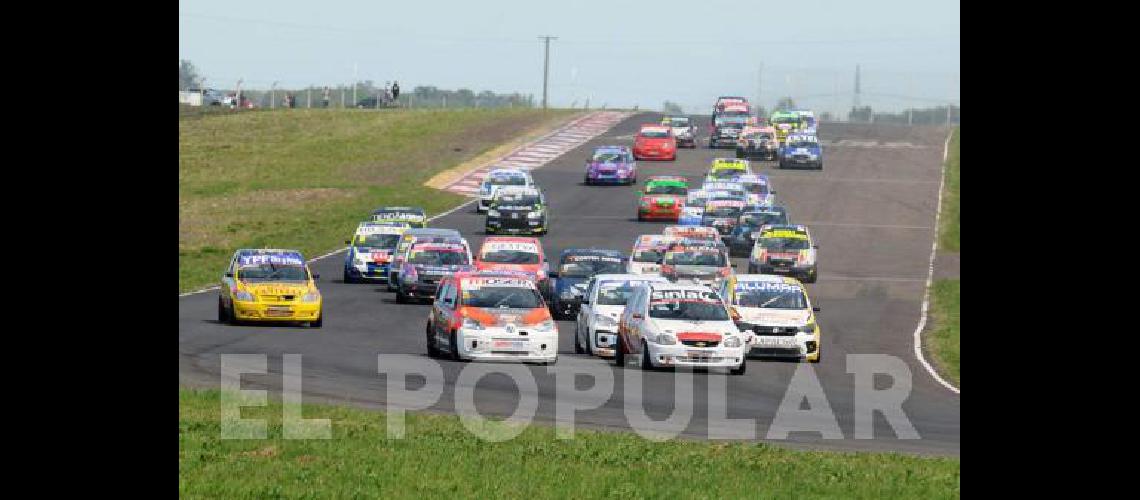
{"x":543,"y":150}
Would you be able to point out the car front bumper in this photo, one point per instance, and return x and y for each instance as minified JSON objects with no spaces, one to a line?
{"x":704,"y":357}
{"x":368,"y":272}
{"x":419,"y":290}
{"x":297,"y":311}
{"x":516,"y":226}
{"x":496,"y":344}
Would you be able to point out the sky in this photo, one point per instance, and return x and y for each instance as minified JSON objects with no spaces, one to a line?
{"x":615,"y":53}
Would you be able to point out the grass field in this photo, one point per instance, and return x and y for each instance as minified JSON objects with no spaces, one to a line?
{"x":439,"y":458}
{"x":304,"y":178}
{"x":950,"y":227}
{"x":946,"y":336}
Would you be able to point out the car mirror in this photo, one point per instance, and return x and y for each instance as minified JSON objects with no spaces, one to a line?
{"x":815,"y":309}
{"x":552,"y":274}
{"x":733,"y":264}
{"x":816,"y":247}
{"x":316,"y":276}
{"x":772,"y":191}
{"x":229,"y":274}
{"x":347,"y":242}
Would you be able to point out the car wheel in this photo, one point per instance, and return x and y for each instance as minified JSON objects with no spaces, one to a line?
{"x":619,"y":352}
{"x":578,"y":341}
{"x":432,"y":350}
{"x":391,"y":286}
{"x":751,"y":270}
{"x":454,"y":347}
{"x":646,"y":363}
{"x":812,"y":276}
{"x":740,"y":369}
{"x":400,"y":297}
{"x":223,"y":315}
{"x":347,"y":278}
{"x":320,"y":319}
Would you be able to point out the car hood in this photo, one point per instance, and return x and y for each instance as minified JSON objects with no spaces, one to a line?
{"x":377,"y":255}
{"x":576,"y":283}
{"x":496,"y":266}
{"x":502,"y":317}
{"x":694,"y":328}
{"x":774,"y":317}
{"x":676,"y":199}
{"x":611,"y":311}
{"x":276,"y":288}
{"x":596,"y":165}
{"x":653,"y":141}
{"x":436,"y":269}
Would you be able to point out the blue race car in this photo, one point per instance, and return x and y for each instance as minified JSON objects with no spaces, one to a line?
{"x":575,"y":268}
{"x":741,"y":240}
{"x":611,"y":165}
{"x":371,"y":249}
{"x":801,"y":150}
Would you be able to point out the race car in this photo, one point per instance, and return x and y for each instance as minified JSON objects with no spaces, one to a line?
{"x":501,"y":177}
{"x":720,"y":190}
{"x":757,"y":142}
{"x":784,"y":122}
{"x":758,"y":189}
{"x":801,"y":151}
{"x":784,"y":249}
{"x":595,"y":330}
{"x":655,"y":142}
{"x":694,"y":210}
{"x":698,"y":262}
{"x":722,"y":215}
{"x":727,"y":169}
{"x":414,"y":216}
{"x":269,"y":285}
{"x":807,"y":121}
{"x":726,"y":129}
{"x":517,"y":210}
{"x":575,"y":267}
{"x":425,"y":266}
{"x":775,"y":316}
{"x":662,"y":198}
{"x":513,"y":254}
{"x":611,"y":165}
{"x":414,"y":235}
{"x":491,"y":317}
{"x":648,"y":253}
{"x":741,"y":240}
{"x":692,"y":232}
{"x":683,"y":130}
{"x":370,"y":250}
{"x":671,"y":324}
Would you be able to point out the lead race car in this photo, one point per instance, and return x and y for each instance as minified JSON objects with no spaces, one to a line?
{"x":269,"y":285}
{"x":611,"y":165}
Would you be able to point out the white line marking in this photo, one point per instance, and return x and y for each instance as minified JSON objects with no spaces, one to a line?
{"x":930,"y":279}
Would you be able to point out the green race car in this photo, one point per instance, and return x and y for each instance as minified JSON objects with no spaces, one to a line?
{"x":663,"y":198}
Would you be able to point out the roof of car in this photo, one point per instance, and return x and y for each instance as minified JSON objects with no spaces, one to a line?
{"x":507,"y":190}
{"x":515,"y":239}
{"x":592,"y":251}
{"x":640,"y":277}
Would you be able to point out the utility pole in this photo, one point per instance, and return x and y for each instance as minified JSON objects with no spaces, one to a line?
{"x":855,"y":106}
{"x":759,"y":83}
{"x":272,"y":95}
{"x":546,"y":67}
{"x":354,"y":84}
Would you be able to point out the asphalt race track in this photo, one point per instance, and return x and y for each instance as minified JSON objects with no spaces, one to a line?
{"x":871,"y":212}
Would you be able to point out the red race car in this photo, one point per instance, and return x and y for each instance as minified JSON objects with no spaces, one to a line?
{"x":655,"y":142}
{"x":513,"y":254}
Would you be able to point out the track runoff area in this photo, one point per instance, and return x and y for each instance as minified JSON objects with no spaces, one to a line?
{"x":871,"y":211}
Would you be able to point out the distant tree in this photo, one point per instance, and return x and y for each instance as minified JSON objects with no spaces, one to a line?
{"x":188,"y":76}
{"x":672,"y":108}
{"x":785,"y":103}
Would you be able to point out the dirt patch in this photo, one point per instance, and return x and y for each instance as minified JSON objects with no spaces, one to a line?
{"x":270,"y":451}
{"x":948,"y":265}
{"x":442,"y":179}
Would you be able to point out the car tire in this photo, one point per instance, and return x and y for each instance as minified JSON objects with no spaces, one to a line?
{"x":644,"y":361}
{"x":347,"y":278}
{"x":432,"y":350}
{"x":619,"y":352}
{"x":454,"y":347}
{"x":751,"y":269}
{"x":740,"y":370}
{"x":812,"y":276}
{"x":400,"y":297}
{"x":320,"y":319}
{"x":223,"y":314}
{"x":577,"y":341}
{"x":390,"y":285}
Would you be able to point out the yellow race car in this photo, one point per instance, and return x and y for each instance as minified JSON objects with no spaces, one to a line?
{"x":775,"y":314}
{"x":728,"y":168}
{"x":269,"y":285}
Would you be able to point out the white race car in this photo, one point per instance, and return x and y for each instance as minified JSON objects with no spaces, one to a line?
{"x":604,"y":301}
{"x":775,"y":314}
{"x":673,"y":324}
{"x":501,"y":177}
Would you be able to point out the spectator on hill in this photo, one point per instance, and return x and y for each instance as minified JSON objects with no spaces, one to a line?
{"x":395,"y":90}
{"x":325,"y":98}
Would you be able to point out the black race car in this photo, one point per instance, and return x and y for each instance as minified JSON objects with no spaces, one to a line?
{"x":517,"y":210}
{"x":740,"y":241}
{"x":575,"y":267}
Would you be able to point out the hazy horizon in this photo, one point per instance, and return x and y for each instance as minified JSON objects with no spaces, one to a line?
{"x":614,"y":54}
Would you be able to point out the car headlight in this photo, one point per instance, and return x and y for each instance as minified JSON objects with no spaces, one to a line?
{"x":471,"y":324}
{"x":666,"y":339}
{"x":535,"y":215}
{"x":808,"y":328}
{"x":243,"y":296}
{"x":732,"y":341}
{"x":311,"y":297}
{"x":545,"y":326}
{"x":492,"y":213}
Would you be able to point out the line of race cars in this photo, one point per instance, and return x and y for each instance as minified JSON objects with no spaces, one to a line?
{"x":673,"y":300}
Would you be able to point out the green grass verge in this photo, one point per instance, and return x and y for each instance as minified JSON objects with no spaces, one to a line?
{"x":440,"y":458}
{"x":304,"y":178}
{"x":950,"y":228}
{"x":946,"y":336}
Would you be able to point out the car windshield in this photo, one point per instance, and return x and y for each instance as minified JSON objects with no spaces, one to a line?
{"x":270,"y":272}
{"x":608,"y":157}
{"x":757,"y":188}
{"x":678,"y":122}
{"x":760,"y":219}
{"x":726,"y":195}
{"x":648,"y":255}
{"x":583,"y":268}
{"x":695,"y":258}
{"x":759,"y":136}
{"x":517,"y":200}
{"x":780,"y":297}
{"x":510,"y":257}
{"x":726,"y":173}
{"x":733,"y":212}
{"x":805,"y":144}
{"x":731,"y":121}
{"x":616,"y":293}
{"x":438,"y":257}
{"x":688,"y":309}
{"x":655,"y":134}
{"x":502,"y":297}
{"x":666,"y":189}
{"x":377,"y":240}
{"x":781,"y":244}
{"x":507,"y":180}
